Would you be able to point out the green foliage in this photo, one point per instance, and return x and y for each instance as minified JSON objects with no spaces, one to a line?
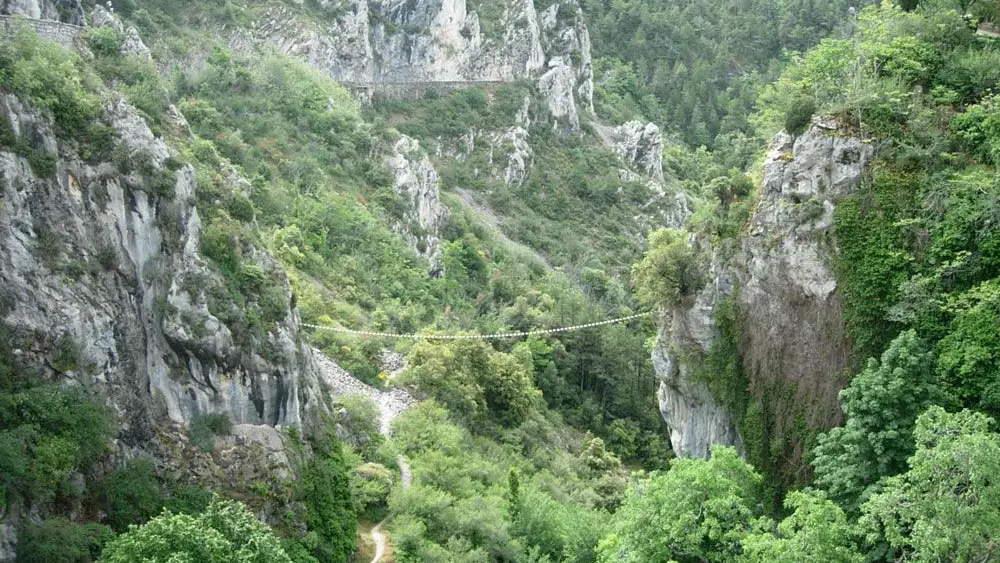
{"x":668,"y":272}
{"x":360,"y":421}
{"x":969,"y":357}
{"x":799,"y":114}
{"x":105,"y":41}
{"x":696,"y":67}
{"x":881,"y":406}
{"x":978,"y":127}
{"x":816,"y":530}
{"x":868,"y":78}
{"x":526,"y":492}
{"x":47,"y":431}
{"x":700,"y":510}
{"x":49,"y":77}
{"x":204,"y":428}
{"x":227,"y":532}
{"x":945,"y":506}
{"x":471,"y":378}
{"x":455,"y":114}
{"x":131,"y":495}
{"x":875,"y":256}
{"x":370,"y":486}
{"x":188,"y":500}
{"x":325,"y":487}
{"x":58,"y":540}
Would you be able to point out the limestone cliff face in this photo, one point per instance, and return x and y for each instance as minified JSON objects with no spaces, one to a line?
{"x":93,"y":257}
{"x":417,"y":184}
{"x":640,"y":146}
{"x":786,"y":299}
{"x":384,"y":45}
{"x":67,"y":11}
{"x":363,"y":41}
{"x":102,"y":283}
{"x":695,"y":417}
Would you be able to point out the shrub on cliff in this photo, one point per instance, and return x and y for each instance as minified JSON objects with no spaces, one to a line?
{"x":668,"y":272}
{"x":799,"y":114}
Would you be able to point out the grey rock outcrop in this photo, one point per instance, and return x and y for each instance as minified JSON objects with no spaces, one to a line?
{"x":695,"y":417}
{"x":103,"y":283}
{"x":93,"y":256}
{"x":568,"y":81}
{"x":780,"y":273}
{"x":402,"y":48}
{"x":132,"y":44}
{"x":639,"y":146}
{"x":390,"y":403}
{"x":514,"y":143}
{"x":417,"y":183}
{"x":371,"y":41}
{"x":66,"y":11}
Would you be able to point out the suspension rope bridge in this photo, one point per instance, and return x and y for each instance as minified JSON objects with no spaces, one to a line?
{"x":496,"y":336}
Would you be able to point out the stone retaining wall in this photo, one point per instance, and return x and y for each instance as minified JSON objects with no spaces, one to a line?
{"x":64,"y":34}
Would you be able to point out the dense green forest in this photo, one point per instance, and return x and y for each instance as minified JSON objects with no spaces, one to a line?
{"x":551,"y":448}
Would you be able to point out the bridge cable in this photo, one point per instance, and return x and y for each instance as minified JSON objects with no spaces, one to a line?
{"x":496,"y":336}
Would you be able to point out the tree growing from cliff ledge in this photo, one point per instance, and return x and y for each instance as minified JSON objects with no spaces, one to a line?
{"x":668,"y":272}
{"x":881,"y":405}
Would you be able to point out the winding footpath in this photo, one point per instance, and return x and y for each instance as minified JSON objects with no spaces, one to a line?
{"x":390,"y":405}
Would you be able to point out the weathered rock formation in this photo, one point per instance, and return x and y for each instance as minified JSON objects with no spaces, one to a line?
{"x":103,"y":283}
{"x":780,"y":275}
{"x":392,"y":47}
{"x":519,"y":156}
{"x":417,"y":184}
{"x":639,"y":146}
{"x":67,"y":11}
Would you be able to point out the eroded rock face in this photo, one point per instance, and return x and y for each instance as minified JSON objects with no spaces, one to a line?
{"x":514,"y":143}
{"x":695,"y":417}
{"x":367,"y":41}
{"x":568,"y":81}
{"x":93,"y":256}
{"x":397,"y":47}
{"x":640,"y":147}
{"x":67,"y":11}
{"x":417,"y":183}
{"x":785,"y":291}
{"x":102,"y":281}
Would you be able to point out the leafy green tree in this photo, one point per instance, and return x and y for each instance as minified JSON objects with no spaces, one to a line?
{"x":816,"y":530}
{"x":474,"y":380}
{"x":947,"y":506}
{"x":227,"y":532}
{"x":426,"y":427}
{"x":798,"y":115}
{"x":881,"y":406}
{"x":50,"y":77}
{"x":668,"y":272}
{"x":360,"y":421}
{"x":700,"y":510}
{"x":46,"y":431}
{"x":370,"y":485}
{"x":132,"y":495}
{"x":330,"y":509}
{"x":58,"y":540}
{"x":969,"y":355}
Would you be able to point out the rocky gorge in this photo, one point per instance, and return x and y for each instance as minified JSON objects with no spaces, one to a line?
{"x":450,"y":267}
